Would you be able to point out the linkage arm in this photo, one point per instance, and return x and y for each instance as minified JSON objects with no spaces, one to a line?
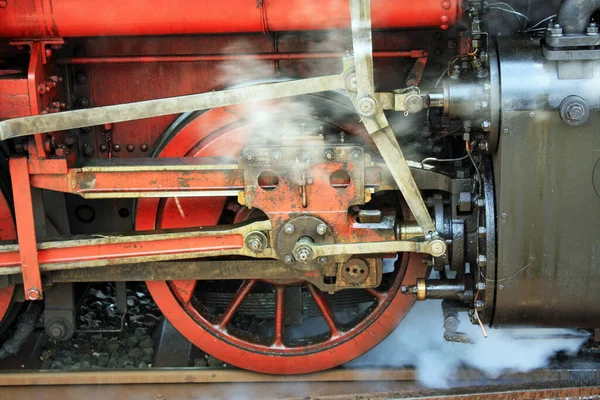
{"x":362,"y":90}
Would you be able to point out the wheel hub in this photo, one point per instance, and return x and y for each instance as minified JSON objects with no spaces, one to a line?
{"x":302,"y":229}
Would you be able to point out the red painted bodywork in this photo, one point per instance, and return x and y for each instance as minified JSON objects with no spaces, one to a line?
{"x":76,"y":18}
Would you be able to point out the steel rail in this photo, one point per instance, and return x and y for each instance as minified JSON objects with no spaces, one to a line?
{"x":590,"y":374}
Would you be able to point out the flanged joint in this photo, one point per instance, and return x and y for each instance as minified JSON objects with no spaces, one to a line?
{"x":256,"y":242}
{"x":366,"y":106}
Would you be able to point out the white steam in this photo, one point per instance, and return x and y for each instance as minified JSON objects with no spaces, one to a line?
{"x":418,"y":341}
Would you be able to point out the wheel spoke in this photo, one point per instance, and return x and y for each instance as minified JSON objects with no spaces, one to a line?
{"x":237,"y":300}
{"x":279,"y":315}
{"x":325,"y":310}
{"x":378,"y":295}
{"x":184,"y":289}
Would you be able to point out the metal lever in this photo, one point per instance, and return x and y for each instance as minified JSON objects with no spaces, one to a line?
{"x":361,"y":89}
{"x":61,"y":121}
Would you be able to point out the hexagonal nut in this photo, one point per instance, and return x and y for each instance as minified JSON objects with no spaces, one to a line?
{"x":592,"y":29}
{"x":556,"y":30}
{"x":289,"y":229}
{"x":303,"y":254}
{"x":464,"y":202}
{"x":256,"y":242}
{"x":321,"y":229}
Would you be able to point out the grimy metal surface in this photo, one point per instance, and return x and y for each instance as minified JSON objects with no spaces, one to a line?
{"x":548,"y":219}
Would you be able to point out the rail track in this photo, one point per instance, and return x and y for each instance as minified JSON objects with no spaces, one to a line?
{"x":27,"y":376}
{"x":576,"y":380}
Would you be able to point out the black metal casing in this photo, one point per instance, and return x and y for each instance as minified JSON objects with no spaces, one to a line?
{"x":547,"y":177}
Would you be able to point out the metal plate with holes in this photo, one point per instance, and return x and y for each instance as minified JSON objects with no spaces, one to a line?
{"x":307,"y":178}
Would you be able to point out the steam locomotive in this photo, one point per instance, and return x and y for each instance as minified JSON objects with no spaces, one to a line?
{"x":289,"y":177}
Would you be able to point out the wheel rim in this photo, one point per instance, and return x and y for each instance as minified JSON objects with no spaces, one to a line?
{"x":219,"y":132}
{"x":7,"y":232}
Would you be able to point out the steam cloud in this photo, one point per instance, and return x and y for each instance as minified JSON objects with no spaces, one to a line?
{"x":418,"y":341}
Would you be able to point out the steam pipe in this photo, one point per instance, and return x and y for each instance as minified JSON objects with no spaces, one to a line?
{"x":230,"y":57}
{"x":574,"y":15}
{"x":77,"y":18}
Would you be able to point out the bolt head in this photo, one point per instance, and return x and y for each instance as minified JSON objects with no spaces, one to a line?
{"x":556,"y":30}
{"x":351,"y":83}
{"x":486,"y":126}
{"x":356,"y":154}
{"x":288,"y":259}
{"x":329,"y":154}
{"x":33,"y":294}
{"x":592,"y":29}
{"x":481,"y":260}
{"x":366,"y":107}
{"x":481,"y":286}
{"x":321,"y":229}
{"x":481,"y":231}
{"x":479,"y":304}
{"x":288,"y":229}
{"x":276,"y":155}
{"x":322,"y":260}
{"x":249,"y":157}
{"x":575,"y":112}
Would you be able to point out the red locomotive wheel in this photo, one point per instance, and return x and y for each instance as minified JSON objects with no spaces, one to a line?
{"x":7,"y":232}
{"x":213,"y":315}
